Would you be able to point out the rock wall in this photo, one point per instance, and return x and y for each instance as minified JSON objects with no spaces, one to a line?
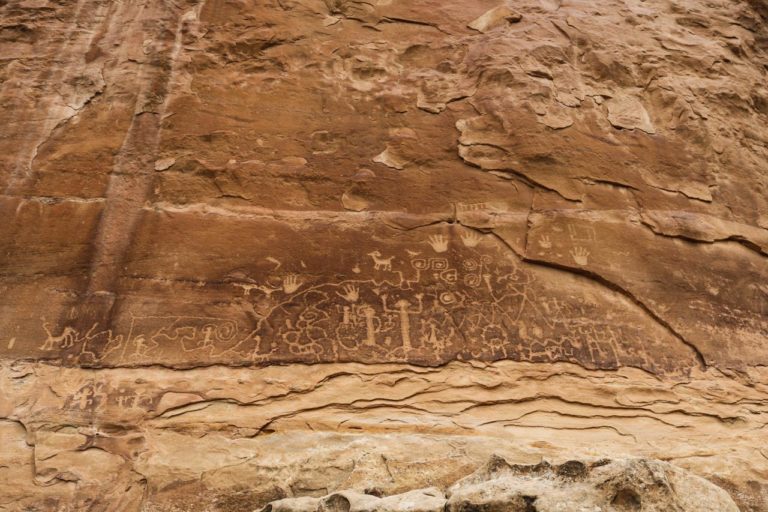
{"x":265,"y":249}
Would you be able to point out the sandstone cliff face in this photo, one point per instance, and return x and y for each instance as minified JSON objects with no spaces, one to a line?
{"x":265,"y":249}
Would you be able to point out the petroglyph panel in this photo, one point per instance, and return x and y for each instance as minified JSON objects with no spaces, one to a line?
{"x":289,"y":294}
{"x":710,"y":294}
{"x":258,"y":249}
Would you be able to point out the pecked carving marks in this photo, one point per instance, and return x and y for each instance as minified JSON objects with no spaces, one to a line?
{"x":677,"y":293}
{"x":427,"y":292}
{"x":430,"y":296}
{"x":580,"y":257}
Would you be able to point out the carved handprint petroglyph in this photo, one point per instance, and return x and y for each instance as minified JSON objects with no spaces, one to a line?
{"x":291,"y":283}
{"x":380,"y":263}
{"x":439,"y":243}
{"x":471,"y":239}
{"x":351,"y":293}
{"x":545,"y":242}
{"x":580,"y":255}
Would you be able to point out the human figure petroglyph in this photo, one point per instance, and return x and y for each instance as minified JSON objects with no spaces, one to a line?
{"x":142,"y":347}
{"x":438,"y":326}
{"x":600,"y":343}
{"x":431,"y":339}
{"x":402,"y":308}
{"x":93,"y":344}
{"x":207,"y":340}
{"x":90,"y":396}
{"x":125,"y":398}
{"x":380,"y":263}
{"x":496,"y":339}
{"x":347,"y":331}
{"x":346,"y":319}
{"x":370,"y":327}
{"x":435,"y":336}
{"x":98,"y":395}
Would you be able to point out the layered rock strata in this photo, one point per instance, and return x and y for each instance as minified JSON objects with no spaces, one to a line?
{"x":266,"y":249}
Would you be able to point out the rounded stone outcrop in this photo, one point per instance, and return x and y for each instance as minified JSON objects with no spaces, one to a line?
{"x":627,"y":485}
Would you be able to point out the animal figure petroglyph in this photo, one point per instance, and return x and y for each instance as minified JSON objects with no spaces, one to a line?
{"x":65,"y":340}
{"x":247,"y":287}
{"x":380,"y":263}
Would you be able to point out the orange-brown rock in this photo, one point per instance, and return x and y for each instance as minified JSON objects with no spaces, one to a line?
{"x":270,"y":249}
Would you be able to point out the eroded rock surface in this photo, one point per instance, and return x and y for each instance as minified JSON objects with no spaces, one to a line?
{"x":575,"y":486}
{"x":264,"y":249}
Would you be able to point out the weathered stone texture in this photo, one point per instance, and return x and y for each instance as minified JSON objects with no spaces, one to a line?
{"x":574,"y":486}
{"x":264,"y":249}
